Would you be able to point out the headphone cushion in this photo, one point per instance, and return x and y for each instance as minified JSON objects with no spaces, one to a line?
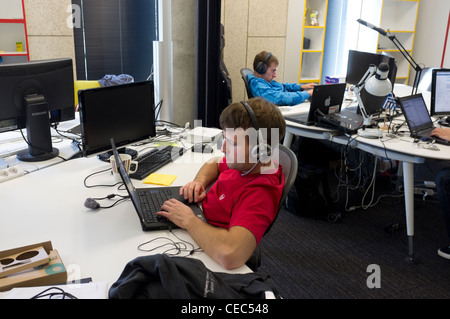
{"x":261,"y":68}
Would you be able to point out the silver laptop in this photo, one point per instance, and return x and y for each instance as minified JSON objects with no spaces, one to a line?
{"x":326,"y":99}
{"x":148,"y":201}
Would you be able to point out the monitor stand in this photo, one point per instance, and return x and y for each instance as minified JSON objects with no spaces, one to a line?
{"x":39,"y":138}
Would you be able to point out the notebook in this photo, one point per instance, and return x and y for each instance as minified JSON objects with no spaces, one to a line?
{"x":148,"y":201}
{"x":326,"y":99}
{"x":417,"y":117}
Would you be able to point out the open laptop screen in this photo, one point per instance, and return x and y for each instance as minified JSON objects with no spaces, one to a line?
{"x":416,"y":112}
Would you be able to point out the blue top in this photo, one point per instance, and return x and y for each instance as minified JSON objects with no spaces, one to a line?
{"x":277,"y":93}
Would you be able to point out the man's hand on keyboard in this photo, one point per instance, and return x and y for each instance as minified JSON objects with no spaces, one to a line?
{"x":177,"y":212}
{"x":193,"y":192}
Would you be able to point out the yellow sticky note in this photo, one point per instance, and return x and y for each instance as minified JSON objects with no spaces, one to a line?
{"x":160,"y":179}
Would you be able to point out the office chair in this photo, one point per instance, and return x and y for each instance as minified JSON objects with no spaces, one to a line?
{"x":288,"y":160}
{"x":244,"y":73}
{"x":82,"y":85}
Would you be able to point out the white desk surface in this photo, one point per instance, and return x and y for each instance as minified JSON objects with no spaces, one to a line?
{"x":48,"y":205}
{"x":65,"y":146}
{"x":396,"y":148}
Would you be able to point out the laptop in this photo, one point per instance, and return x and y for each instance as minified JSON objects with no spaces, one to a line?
{"x":143,"y":200}
{"x":326,"y":99}
{"x":347,"y":121}
{"x":417,"y":117}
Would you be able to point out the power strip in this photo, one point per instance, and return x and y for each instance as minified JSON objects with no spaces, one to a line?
{"x":10,"y":173}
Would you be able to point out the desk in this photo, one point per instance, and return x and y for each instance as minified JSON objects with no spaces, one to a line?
{"x":65,"y":146}
{"x":48,"y":205}
{"x":401,"y":149}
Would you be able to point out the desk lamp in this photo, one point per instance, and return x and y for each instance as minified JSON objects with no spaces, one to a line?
{"x":401,"y":49}
{"x":373,"y":88}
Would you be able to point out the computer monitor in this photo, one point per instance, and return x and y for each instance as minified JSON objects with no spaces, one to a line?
{"x":34,"y":95}
{"x":359,"y":62}
{"x":440,"y":92}
{"x":124,"y":112}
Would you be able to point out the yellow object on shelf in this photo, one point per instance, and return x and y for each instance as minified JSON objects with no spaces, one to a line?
{"x":19,"y":46}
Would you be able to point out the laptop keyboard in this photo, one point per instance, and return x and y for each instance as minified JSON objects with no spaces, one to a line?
{"x":151,"y":203}
{"x":155,"y":159}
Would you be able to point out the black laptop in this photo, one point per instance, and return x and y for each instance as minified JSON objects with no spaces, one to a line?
{"x":326,"y":99}
{"x":417,"y":117}
{"x":148,"y":201}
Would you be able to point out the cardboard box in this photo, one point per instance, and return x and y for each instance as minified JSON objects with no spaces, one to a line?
{"x":51,"y":273}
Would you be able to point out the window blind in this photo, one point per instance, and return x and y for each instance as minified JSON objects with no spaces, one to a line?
{"x":115,"y":37}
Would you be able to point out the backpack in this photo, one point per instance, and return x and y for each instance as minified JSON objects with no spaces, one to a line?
{"x":310,"y":195}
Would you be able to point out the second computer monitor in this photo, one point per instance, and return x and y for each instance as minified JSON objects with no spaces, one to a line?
{"x":123,"y":112}
{"x":440,"y":92}
{"x":359,"y":62}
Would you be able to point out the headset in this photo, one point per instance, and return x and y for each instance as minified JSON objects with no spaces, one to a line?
{"x":262,"y":151}
{"x":261,"y":67}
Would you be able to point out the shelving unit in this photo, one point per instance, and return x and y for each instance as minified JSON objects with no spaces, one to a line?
{"x":311,"y":57}
{"x":399,"y":17}
{"x":13,"y":29}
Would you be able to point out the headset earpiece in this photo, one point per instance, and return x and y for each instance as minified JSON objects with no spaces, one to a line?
{"x":262,"y":67}
{"x":261,"y":151}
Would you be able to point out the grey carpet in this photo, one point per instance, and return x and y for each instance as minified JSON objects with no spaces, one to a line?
{"x":310,"y":258}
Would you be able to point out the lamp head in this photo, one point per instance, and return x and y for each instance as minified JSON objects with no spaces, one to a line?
{"x":373,"y":91}
{"x":379,"y":85}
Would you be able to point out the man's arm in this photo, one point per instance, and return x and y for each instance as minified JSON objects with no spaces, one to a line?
{"x":195,"y":191}
{"x":262,"y":88}
{"x":231,"y":248}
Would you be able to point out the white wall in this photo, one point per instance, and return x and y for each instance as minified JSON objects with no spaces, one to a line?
{"x":430,"y":34}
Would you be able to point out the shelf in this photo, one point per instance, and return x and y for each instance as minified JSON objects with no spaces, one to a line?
{"x":311,"y":57}
{"x":13,"y":29}
{"x":399,"y":17}
{"x":12,"y":21}
{"x":6,"y":53}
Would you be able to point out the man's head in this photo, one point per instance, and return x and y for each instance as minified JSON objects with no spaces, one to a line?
{"x":265,"y":65}
{"x":241,"y":135}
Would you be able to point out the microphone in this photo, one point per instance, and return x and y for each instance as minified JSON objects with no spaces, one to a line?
{"x":367,"y":24}
{"x":251,"y":169}
{"x":91,"y":203}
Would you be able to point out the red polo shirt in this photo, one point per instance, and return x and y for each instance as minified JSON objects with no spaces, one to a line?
{"x":249,"y":201}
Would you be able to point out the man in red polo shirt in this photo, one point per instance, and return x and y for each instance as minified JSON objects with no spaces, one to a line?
{"x":247,"y":188}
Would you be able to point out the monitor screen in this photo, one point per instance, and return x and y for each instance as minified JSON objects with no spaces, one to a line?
{"x":123,"y":112}
{"x":359,"y":62}
{"x":34,"y":94}
{"x":440,"y":92}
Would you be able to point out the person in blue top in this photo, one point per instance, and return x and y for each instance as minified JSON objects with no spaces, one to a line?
{"x":262,"y":83}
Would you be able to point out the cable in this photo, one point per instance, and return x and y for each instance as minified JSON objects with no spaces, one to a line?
{"x":60,"y":293}
{"x":35,"y":147}
{"x":179,"y":247}
{"x":100,"y":185}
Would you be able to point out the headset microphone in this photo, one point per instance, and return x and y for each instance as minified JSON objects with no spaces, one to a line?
{"x":91,"y":203}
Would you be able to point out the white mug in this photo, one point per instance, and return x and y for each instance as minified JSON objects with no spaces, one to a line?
{"x":126,"y":161}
